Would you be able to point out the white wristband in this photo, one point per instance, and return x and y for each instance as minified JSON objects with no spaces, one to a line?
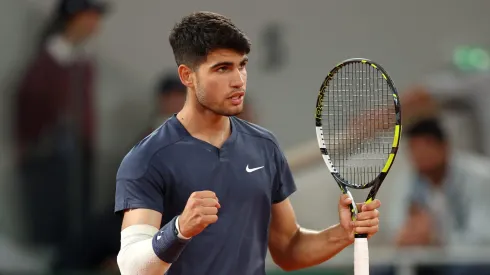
{"x":178,"y":229}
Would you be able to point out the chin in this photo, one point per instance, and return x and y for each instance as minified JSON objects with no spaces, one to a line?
{"x":232,"y":112}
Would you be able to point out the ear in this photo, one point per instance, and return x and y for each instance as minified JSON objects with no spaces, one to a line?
{"x":186,"y":75}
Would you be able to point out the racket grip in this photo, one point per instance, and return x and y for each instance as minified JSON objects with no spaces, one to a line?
{"x":361,"y":256}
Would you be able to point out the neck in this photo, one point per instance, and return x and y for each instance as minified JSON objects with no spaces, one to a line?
{"x":436,"y":176}
{"x":70,"y":37}
{"x":204,"y":124}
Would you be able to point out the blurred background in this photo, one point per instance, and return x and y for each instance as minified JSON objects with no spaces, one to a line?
{"x":82,"y":81}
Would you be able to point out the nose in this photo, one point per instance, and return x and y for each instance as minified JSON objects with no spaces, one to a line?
{"x":238,"y":79}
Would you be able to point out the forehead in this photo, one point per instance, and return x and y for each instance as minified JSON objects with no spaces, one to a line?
{"x":424,"y":140}
{"x":224,"y":55}
{"x":87,"y":14}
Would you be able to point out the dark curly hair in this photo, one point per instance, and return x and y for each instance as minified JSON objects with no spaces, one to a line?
{"x":429,"y":127}
{"x":199,"y":33}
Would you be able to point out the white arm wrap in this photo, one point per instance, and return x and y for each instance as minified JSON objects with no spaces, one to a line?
{"x":136,"y":256}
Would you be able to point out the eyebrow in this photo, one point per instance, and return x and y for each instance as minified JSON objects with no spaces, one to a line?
{"x":228,"y":63}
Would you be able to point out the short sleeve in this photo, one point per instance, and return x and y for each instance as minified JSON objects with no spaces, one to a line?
{"x":284,"y":184}
{"x":139,"y":184}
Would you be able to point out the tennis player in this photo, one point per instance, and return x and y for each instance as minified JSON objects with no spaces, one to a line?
{"x":206,"y":192}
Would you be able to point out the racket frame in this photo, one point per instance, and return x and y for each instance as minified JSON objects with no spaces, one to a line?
{"x":378,"y":180}
{"x":361,"y":251}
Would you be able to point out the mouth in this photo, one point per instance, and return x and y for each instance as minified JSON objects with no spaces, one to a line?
{"x":237,"y":95}
{"x":236,"y":98}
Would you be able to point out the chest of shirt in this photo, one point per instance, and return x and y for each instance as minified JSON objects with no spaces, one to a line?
{"x":235,"y":175}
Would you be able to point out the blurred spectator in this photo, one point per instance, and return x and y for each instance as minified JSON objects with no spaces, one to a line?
{"x":171,"y":94}
{"x":445,"y":197}
{"x":55,"y":128}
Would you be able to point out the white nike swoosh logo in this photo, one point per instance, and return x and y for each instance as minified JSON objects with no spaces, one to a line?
{"x":250,"y":170}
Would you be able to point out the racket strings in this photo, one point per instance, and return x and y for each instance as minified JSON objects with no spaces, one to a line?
{"x":358,"y":119}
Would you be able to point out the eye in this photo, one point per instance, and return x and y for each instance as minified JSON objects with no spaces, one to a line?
{"x":222,"y":69}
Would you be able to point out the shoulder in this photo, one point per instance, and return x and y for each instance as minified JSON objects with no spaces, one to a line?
{"x":472,"y":167}
{"x":255,"y":131}
{"x":40,"y":65}
{"x":147,"y":151}
{"x":470,"y":162}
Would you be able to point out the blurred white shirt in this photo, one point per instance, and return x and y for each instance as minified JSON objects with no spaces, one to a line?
{"x":461,"y":206}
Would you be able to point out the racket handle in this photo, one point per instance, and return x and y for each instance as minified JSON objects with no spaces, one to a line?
{"x":361,"y":256}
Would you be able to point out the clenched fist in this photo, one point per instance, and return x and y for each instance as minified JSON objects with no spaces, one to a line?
{"x":200,"y":211}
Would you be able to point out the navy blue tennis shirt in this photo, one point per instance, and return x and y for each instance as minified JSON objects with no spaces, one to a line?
{"x":248,"y":173}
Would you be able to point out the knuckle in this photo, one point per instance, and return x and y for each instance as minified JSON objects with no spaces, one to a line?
{"x":192,"y":203}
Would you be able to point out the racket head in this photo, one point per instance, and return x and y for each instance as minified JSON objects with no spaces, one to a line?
{"x":358,"y":123}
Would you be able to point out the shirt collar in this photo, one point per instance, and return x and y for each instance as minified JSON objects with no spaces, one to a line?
{"x":62,"y":50}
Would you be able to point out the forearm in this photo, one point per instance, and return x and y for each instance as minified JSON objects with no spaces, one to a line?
{"x":147,"y":251}
{"x":136,"y":255}
{"x":308,"y":248}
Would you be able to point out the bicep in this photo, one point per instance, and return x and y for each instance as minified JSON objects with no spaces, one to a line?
{"x":141,"y":216}
{"x":283,"y":226}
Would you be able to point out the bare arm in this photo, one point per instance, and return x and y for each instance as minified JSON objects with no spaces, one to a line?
{"x":141,"y":216}
{"x":417,"y":228}
{"x":293,"y":247}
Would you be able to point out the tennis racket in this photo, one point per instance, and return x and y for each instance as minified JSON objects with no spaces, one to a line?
{"x":358,"y":127}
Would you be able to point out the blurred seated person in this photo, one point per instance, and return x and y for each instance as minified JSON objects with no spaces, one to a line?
{"x":171,"y":95}
{"x":447,"y":197}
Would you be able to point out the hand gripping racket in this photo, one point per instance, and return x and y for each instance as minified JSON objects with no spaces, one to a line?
{"x":358,"y":127}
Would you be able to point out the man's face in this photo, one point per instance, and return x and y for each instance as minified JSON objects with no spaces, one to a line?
{"x":221,"y":82}
{"x":84,"y":25}
{"x":427,"y":153}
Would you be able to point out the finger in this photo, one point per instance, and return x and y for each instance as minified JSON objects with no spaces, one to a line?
{"x":209,"y":219}
{"x":368,"y":215}
{"x":204,"y":194}
{"x":209,"y":210}
{"x":372,"y":205}
{"x":209,"y":202}
{"x":366,"y":223}
{"x":367,"y":230}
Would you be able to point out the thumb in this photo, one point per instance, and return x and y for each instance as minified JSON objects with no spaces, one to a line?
{"x":345,"y":201}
